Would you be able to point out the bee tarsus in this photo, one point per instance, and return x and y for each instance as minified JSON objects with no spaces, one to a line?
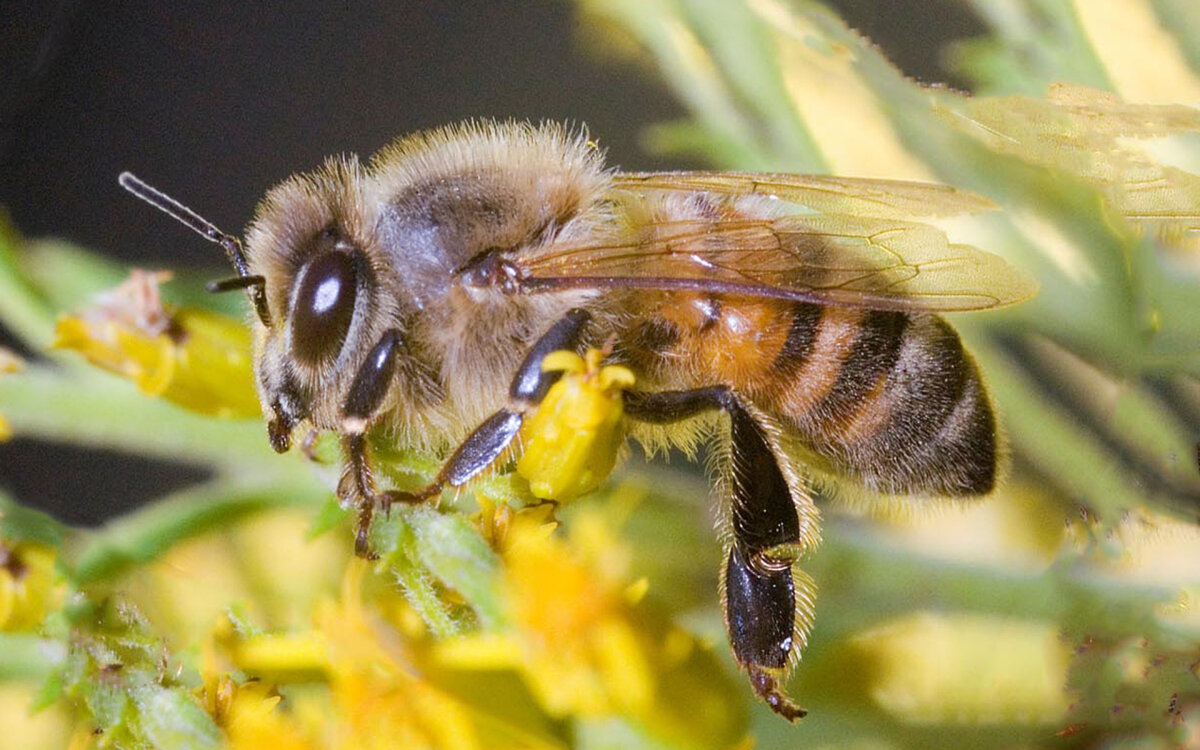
{"x":309,"y":446}
{"x":279,"y":429}
{"x":530,"y":383}
{"x":766,"y":686}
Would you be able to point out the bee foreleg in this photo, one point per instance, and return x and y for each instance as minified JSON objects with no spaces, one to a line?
{"x":366,"y":395}
{"x":491,"y":439}
{"x":357,"y":487}
{"x":761,"y":593}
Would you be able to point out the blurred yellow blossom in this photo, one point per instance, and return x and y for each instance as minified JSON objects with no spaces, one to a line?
{"x":586,"y":643}
{"x":376,"y":693}
{"x":571,"y":441}
{"x":580,"y":652}
{"x":47,"y":729}
{"x":27,"y":589}
{"x":248,"y":714}
{"x":192,"y":357}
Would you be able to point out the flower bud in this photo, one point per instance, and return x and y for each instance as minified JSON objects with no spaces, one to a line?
{"x":571,"y":441}
{"x":195,"y":358}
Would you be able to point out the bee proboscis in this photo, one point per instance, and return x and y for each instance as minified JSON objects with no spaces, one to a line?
{"x":419,"y":293}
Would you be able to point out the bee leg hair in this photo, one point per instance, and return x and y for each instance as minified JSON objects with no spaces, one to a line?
{"x":759,"y":592}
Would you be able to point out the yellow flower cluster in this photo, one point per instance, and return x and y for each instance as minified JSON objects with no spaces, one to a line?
{"x":578,"y":644}
{"x":573,"y":636}
{"x":192,"y":357}
{"x":359,"y":679}
{"x":931,"y":668}
{"x":584,"y":641}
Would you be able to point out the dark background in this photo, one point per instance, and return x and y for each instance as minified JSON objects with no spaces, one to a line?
{"x":215,"y":102}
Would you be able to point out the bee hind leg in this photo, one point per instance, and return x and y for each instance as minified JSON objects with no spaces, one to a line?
{"x":767,"y":602}
{"x":477,"y":452}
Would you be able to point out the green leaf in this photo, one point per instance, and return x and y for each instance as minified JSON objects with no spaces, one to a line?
{"x":22,"y":309}
{"x":21,"y":524}
{"x":395,"y":541}
{"x":94,"y":409}
{"x":172,"y":718}
{"x":330,"y":516}
{"x":451,"y":548}
{"x":1034,"y":43}
{"x":28,"y":656}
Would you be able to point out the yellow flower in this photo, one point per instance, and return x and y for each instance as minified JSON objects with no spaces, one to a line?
{"x":192,"y":357}
{"x":571,"y":441}
{"x":248,"y":712}
{"x":582,"y":639}
{"x":27,"y":588}
{"x":365,"y":687}
{"x":580,"y":653}
{"x":377,"y":692}
{"x":9,"y":362}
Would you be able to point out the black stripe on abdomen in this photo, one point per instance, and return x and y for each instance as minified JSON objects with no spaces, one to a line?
{"x":872,"y":357}
{"x":802,"y":334}
{"x":922,"y":426}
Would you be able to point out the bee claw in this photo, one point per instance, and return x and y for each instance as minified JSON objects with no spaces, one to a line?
{"x":366,"y":510}
{"x":767,"y":688}
{"x":362,"y":531}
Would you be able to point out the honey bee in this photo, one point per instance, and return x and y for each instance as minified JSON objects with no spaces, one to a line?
{"x":419,"y":293}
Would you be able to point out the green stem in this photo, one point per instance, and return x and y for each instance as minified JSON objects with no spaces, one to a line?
{"x":22,"y":310}
{"x":27,"y":657}
{"x":897,"y":580}
{"x":105,"y":412}
{"x":149,"y":532}
{"x":690,"y":69}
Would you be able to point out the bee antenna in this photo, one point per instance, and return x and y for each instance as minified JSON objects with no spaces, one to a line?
{"x":256,"y":285}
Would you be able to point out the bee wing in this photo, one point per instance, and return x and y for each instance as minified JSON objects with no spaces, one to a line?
{"x":893,"y":199}
{"x":857,"y":261}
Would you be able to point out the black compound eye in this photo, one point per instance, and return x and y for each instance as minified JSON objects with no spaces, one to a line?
{"x":323,"y":307}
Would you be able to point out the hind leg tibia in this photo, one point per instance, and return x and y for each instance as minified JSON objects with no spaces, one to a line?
{"x":767,"y":603}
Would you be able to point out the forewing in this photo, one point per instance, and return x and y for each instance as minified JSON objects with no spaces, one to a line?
{"x":839,"y":259}
{"x":885,"y":199}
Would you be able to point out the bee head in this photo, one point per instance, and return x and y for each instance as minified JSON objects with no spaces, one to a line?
{"x":308,"y":270}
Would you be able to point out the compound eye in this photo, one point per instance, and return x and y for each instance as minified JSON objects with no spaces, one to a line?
{"x":323,"y":306}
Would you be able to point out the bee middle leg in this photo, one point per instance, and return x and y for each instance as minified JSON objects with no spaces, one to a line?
{"x":475,"y":454}
{"x":767,"y":602}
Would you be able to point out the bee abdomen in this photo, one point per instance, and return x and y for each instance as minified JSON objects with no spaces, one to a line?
{"x":887,"y":399}
{"x":890,"y":400}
